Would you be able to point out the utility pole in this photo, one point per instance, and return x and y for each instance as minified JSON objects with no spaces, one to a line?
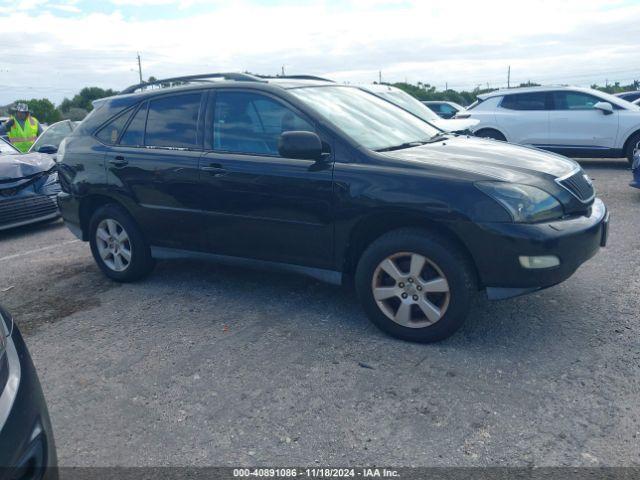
{"x":380,"y":76}
{"x":283,"y":70}
{"x":446,"y":86}
{"x":140,"y":68}
{"x":509,"y":77}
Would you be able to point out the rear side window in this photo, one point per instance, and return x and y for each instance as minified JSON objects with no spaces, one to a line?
{"x":173,"y":121}
{"x":134,"y":136}
{"x":110,"y":133}
{"x":525,"y":101}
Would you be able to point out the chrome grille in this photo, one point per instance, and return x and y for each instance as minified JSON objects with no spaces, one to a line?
{"x":579,"y":185}
{"x":24,"y":209}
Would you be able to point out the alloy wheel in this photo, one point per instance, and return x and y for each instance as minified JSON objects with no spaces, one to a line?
{"x":114,"y":245}
{"x":411,"y":290}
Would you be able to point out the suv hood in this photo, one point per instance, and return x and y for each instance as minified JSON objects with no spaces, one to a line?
{"x":14,"y":168}
{"x":489,"y":159}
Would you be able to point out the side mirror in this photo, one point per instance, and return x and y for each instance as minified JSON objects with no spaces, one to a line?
{"x":50,"y":149}
{"x":604,"y":107}
{"x":300,"y":145}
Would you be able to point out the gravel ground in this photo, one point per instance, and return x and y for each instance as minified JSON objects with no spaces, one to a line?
{"x":209,"y":365}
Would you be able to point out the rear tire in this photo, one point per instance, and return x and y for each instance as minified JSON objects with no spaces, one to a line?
{"x":118,"y":246}
{"x":491,"y":133}
{"x":415,"y":285}
{"x":632,"y":145}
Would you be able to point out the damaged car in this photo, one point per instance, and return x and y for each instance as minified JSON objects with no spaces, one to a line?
{"x":28,"y":187}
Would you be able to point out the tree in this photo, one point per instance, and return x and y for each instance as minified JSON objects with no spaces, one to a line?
{"x":43,"y":110}
{"x":85,"y":97}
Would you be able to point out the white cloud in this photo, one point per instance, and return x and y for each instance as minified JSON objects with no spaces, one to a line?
{"x":462,"y":43}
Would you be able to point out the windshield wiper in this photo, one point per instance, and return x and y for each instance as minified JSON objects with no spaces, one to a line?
{"x":403,"y":145}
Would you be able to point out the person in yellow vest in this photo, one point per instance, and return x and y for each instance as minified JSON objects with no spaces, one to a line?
{"x":22,"y":129}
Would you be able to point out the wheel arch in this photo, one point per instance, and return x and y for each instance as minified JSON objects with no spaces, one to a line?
{"x":89,"y":204}
{"x":372,"y":227}
{"x":628,"y":139}
{"x":491,"y":127}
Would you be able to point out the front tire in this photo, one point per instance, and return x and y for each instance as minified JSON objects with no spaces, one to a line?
{"x":415,"y":285}
{"x":118,"y":246}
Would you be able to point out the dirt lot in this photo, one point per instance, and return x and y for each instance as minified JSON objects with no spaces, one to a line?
{"x":209,"y":365}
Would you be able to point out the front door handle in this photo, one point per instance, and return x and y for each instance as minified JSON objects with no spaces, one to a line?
{"x":215,"y":169}
{"x":118,"y":161}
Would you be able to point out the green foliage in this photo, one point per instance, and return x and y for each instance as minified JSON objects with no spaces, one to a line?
{"x":85,"y":97}
{"x":42,"y":109}
{"x":425,"y":91}
{"x":617,"y":88}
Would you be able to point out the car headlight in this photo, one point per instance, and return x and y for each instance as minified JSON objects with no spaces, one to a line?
{"x":61,"y":149}
{"x":525,"y":203}
{"x":53,"y":178}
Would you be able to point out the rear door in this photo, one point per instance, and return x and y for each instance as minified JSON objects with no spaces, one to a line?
{"x":575,"y":123}
{"x":259,"y":204}
{"x":524,"y":117}
{"x":154,"y":166}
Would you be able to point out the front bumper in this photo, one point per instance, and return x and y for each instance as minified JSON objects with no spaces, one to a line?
{"x":27,"y":448}
{"x":26,"y":209}
{"x":496,"y":248}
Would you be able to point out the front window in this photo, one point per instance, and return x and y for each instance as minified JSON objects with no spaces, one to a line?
{"x":525,"y":101}
{"x":252,"y":123}
{"x":54,"y":135}
{"x":370,"y":121}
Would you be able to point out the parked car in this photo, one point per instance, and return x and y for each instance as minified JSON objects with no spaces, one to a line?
{"x":49,"y":140}
{"x":629,"y":96}
{"x":579,"y":122}
{"x":28,"y":187}
{"x":411,"y":104}
{"x":27,"y":447}
{"x":444,"y":109}
{"x":329,"y":181}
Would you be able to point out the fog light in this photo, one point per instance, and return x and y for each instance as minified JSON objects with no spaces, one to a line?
{"x":542,"y":261}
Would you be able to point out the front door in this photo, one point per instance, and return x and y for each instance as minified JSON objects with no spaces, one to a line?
{"x":574,"y":122}
{"x":258,"y":204}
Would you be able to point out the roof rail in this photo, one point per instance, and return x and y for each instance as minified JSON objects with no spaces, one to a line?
{"x":298,"y":77}
{"x":245,"y":77}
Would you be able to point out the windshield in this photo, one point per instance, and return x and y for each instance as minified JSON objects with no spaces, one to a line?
{"x":370,"y":121}
{"x":53,"y":135}
{"x":5,"y":148}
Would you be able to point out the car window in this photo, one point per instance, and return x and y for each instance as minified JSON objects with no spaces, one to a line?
{"x":446,"y":108}
{"x":134,"y":136}
{"x":173,"y":121}
{"x":574,"y":101}
{"x":368,"y":120}
{"x":435,"y":107}
{"x":525,"y":101}
{"x":252,"y":123}
{"x":53,"y":135}
{"x":109,"y":133}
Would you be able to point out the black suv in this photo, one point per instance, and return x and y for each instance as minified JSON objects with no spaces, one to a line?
{"x":327,"y":180}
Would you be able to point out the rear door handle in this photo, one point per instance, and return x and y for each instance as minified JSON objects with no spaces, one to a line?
{"x":118,"y":161}
{"x":215,"y":169}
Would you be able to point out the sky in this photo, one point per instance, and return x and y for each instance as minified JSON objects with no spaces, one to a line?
{"x":53,"y":48}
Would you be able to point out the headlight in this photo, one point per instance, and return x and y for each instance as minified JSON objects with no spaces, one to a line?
{"x":525,"y":204}
{"x":53,"y":178}
{"x":61,"y":148}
